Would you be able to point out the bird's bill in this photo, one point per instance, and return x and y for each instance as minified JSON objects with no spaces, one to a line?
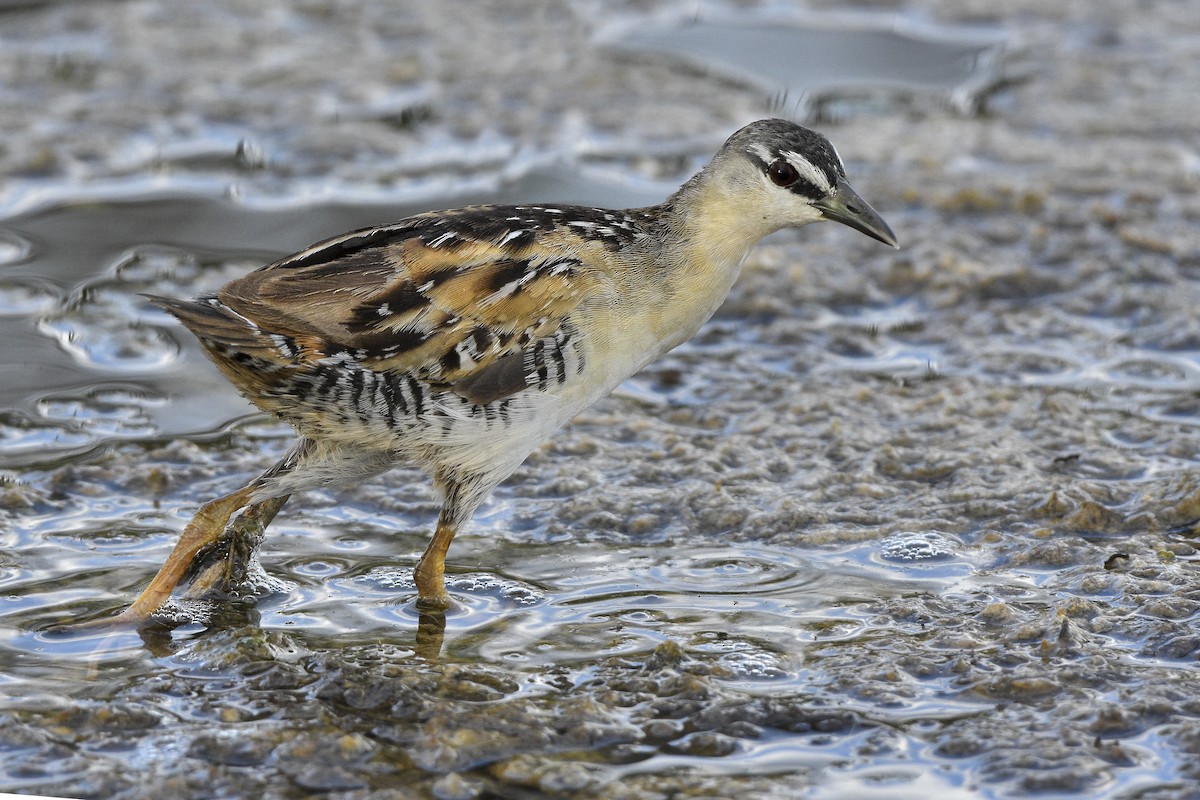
{"x":846,"y":207}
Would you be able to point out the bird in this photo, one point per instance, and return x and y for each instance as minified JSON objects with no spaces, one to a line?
{"x":457,"y":341}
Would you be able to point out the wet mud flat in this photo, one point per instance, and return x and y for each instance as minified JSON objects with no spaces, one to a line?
{"x":895,"y":524}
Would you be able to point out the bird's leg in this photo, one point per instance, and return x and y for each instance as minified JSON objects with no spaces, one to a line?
{"x":462,"y":498}
{"x":244,"y":536}
{"x":431,"y":569}
{"x":206,"y":528}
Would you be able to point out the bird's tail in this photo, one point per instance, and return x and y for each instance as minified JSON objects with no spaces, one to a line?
{"x":218,"y":327}
{"x":258,"y":362}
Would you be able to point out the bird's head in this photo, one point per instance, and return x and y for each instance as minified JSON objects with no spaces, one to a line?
{"x":786,"y":175}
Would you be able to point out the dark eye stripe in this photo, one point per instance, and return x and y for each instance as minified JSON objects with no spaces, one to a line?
{"x":806,"y":188}
{"x":796,"y":183}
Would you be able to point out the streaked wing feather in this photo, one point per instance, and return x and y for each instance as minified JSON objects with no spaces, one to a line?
{"x":426,"y":299}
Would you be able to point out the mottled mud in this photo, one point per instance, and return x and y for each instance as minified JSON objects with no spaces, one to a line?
{"x":916,"y":523}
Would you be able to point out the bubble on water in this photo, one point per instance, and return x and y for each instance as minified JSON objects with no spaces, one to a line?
{"x":399,"y":580}
{"x":743,"y":657}
{"x":755,"y":665}
{"x":387,"y":580}
{"x":914,"y":546}
{"x":496,"y":586}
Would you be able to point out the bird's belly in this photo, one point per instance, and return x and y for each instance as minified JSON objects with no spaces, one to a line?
{"x":398,"y":416}
{"x":435,"y":428}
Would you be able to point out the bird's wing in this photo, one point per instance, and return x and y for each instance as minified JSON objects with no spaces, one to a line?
{"x":453,"y":298}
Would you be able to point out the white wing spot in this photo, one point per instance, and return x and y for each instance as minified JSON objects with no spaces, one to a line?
{"x":443,"y":238}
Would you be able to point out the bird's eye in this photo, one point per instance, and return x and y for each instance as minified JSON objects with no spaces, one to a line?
{"x":782,"y":173}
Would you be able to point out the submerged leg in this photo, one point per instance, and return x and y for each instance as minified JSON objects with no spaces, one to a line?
{"x":206,"y":528}
{"x":244,"y":535}
{"x":431,"y":632}
{"x":431,"y":569}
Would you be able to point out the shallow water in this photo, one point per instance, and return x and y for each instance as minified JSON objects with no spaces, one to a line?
{"x":106,"y":359}
{"x":895,"y":524}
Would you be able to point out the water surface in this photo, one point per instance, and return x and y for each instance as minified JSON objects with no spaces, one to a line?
{"x":894,"y":524}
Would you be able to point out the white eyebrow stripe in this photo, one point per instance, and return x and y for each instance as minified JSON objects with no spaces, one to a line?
{"x":763,"y":152}
{"x":816,"y":177}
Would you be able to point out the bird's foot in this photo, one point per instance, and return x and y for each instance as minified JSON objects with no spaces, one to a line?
{"x":217,"y":552}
